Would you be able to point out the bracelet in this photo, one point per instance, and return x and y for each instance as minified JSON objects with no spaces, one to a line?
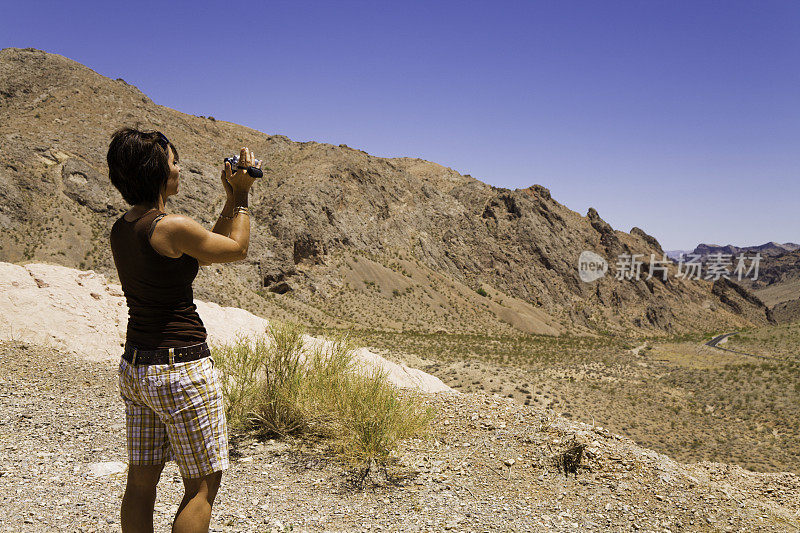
{"x":239,"y":209}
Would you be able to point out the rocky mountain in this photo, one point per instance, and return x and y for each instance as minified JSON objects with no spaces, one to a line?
{"x":339,"y":237}
{"x":676,"y":254}
{"x":778,"y":282}
{"x":766,"y":249}
{"x":778,"y":285}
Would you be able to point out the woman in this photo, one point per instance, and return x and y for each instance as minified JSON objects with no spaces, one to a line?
{"x":171,"y":389}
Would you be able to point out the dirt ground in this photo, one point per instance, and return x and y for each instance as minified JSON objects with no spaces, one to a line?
{"x":491,"y":465}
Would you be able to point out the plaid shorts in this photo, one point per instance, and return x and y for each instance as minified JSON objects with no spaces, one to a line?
{"x":175,"y":413}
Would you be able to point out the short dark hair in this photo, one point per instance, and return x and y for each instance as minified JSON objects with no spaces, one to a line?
{"x":138,"y":164}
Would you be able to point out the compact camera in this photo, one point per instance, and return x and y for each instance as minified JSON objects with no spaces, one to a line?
{"x":253,"y":171}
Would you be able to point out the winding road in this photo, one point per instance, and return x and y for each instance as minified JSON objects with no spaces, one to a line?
{"x":716,"y":340}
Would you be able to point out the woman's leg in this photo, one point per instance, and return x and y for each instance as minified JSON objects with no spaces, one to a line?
{"x":188,"y":398}
{"x":199,"y":437}
{"x":148,"y":450}
{"x":194,"y":512}
{"x":140,"y":498}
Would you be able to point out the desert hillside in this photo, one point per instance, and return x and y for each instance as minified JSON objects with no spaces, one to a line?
{"x":339,"y":237}
{"x":778,"y":285}
{"x":674,"y":395}
{"x":491,"y":465}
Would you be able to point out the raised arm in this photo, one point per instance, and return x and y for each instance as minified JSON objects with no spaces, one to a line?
{"x":231,"y":236}
{"x":189,"y":237}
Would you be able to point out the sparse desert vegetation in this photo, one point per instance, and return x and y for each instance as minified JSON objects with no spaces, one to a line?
{"x":782,"y":341}
{"x":677,"y":396}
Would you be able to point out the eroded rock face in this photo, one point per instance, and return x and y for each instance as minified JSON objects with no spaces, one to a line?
{"x":308,"y":249}
{"x":82,"y":184}
{"x":649,"y":239}
{"x":317,"y":209}
{"x":79,"y":312}
{"x":608,"y":238}
{"x":787,"y":311}
{"x":740,"y":300}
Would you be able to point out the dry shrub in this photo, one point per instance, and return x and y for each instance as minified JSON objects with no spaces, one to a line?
{"x":275,"y":385}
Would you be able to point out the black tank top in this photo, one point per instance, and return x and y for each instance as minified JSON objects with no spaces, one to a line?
{"x":158,"y":289}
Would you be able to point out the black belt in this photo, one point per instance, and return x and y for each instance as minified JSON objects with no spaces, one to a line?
{"x":135,"y":356}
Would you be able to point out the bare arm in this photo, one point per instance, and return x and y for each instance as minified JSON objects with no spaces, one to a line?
{"x":189,"y":237}
{"x":224,"y":224}
{"x":236,"y":187}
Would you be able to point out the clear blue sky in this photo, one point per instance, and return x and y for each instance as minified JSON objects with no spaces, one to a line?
{"x":680,"y":117}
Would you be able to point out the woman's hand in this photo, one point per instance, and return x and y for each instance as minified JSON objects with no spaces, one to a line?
{"x":225,"y":185}
{"x":241,"y":180}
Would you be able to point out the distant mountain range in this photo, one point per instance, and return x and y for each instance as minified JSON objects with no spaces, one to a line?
{"x":778,"y":281}
{"x":704,"y":250}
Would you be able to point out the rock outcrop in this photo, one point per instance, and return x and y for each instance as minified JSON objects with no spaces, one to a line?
{"x":80,"y":313}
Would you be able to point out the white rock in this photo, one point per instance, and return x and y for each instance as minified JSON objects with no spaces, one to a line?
{"x":107,"y":468}
{"x":81,"y":313}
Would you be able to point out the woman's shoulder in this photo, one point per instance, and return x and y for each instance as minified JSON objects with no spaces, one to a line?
{"x":169,"y":232}
{"x":177,"y":223}
{"x":161,"y":235}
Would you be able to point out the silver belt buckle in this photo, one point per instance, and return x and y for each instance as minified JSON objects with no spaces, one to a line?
{"x":171,"y":356}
